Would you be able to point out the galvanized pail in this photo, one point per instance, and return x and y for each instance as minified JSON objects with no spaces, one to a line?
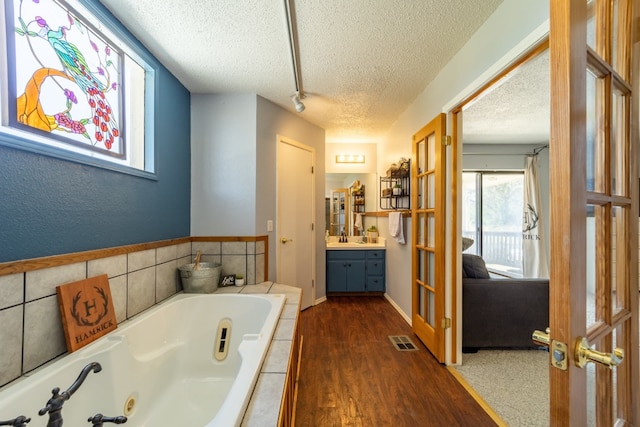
{"x":204,"y":280}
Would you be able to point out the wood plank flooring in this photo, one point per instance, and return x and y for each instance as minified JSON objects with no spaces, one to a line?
{"x":351,"y":375}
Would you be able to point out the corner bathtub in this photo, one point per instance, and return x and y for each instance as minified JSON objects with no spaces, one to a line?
{"x":163,"y":365}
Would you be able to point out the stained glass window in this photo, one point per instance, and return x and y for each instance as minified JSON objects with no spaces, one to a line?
{"x":72,"y":83}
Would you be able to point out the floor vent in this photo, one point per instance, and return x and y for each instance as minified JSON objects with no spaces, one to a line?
{"x":402,"y":343}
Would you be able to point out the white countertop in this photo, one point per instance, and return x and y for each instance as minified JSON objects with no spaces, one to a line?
{"x":381,"y":244}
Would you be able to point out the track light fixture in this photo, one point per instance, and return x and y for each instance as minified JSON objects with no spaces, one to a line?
{"x":298,"y":104}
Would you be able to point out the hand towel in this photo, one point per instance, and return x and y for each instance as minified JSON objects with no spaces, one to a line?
{"x":358,"y":222}
{"x":395,"y":227}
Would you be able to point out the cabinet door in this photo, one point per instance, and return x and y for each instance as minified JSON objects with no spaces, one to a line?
{"x":337,"y":276}
{"x":375,"y":283}
{"x":356,"y":276}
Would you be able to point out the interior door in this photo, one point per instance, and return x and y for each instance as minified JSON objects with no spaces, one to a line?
{"x":428,"y":234}
{"x":594,"y":215}
{"x":295,"y":228}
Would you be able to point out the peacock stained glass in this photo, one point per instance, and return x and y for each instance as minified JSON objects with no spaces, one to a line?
{"x":65,"y":77}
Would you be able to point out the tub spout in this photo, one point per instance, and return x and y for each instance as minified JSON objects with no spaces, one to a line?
{"x":99,"y":419}
{"x":54,"y":405}
{"x":21,"y":421}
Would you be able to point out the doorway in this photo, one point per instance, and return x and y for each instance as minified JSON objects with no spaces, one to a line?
{"x":295,"y":237}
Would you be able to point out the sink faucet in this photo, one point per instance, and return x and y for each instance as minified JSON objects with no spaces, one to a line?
{"x":21,"y":421}
{"x":54,"y":405}
{"x":343,"y":237}
{"x":98,"y":419}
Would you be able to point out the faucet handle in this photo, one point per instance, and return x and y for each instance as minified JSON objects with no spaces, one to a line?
{"x":98,"y":419}
{"x":20,"y":421}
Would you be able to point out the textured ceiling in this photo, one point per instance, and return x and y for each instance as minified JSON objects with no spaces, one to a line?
{"x":516,"y":110}
{"x":362,"y":62}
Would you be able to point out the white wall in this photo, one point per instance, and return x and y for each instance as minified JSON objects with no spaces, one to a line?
{"x":223,"y":165}
{"x":272,"y":121}
{"x":234,"y":170}
{"x":499,"y":38}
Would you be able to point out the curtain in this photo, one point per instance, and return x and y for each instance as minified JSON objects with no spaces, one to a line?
{"x":534,"y":255}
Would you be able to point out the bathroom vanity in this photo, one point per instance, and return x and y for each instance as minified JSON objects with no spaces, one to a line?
{"x":355,"y":268}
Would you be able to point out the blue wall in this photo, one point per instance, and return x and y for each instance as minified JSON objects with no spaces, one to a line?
{"x":50,"y":206}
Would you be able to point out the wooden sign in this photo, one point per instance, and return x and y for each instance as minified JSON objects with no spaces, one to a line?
{"x":87,"y":310}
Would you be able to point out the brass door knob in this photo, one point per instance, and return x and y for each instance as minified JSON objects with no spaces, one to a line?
{"x":285,"y":240}
{"x":585,"y":354}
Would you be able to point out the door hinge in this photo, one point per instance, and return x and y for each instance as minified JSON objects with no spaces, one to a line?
{"x":313,"y":283}
{"x":311,"y":169}
{"x":312,"y":227}
{"x":446,"y":322}
{"x":446,"y":140}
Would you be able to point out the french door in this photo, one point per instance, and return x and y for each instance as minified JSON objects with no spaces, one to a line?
{"x":428,"y":259}
{"x":594,"y":215}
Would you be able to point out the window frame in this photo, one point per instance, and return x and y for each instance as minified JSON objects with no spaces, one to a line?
{"x":17,"y":138}
{"x":479,"y":237}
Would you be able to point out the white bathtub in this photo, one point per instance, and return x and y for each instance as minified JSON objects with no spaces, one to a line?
{"x":164,"y":359}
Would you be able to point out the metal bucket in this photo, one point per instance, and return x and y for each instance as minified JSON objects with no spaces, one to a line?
{"x":204,"y":280}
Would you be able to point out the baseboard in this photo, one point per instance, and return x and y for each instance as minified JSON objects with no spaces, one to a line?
{"x":320,"y":300}
{"x":483,"y":404}
{"x":398,"y":309}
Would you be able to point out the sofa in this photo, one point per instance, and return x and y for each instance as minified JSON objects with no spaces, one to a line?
{"x":500,"y":313}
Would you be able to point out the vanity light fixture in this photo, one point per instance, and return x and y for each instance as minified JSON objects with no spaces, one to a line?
{"x":350,"y":158}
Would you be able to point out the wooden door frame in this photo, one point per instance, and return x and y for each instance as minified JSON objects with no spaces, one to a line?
{"x":529,"y":51}
{"x":280,"y":139}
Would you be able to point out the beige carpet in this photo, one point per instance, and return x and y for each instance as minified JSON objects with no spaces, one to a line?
{"x":515,"y":383}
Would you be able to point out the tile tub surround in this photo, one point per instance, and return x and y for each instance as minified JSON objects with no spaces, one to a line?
{"x":140,"y":276}
{"x":264,"y":407}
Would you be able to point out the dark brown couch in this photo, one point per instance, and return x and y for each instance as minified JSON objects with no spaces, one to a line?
{"x":500,"y":313}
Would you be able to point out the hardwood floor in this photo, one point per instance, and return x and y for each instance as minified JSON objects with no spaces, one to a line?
{"x":351,"y":375}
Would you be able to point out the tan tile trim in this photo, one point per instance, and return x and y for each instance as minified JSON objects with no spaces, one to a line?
{"x":32,"y":264}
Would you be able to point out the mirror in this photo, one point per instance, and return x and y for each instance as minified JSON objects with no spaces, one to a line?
{"x":344,"y":200}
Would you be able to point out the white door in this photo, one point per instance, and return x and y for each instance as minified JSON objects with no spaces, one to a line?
{"x":295,"y":231}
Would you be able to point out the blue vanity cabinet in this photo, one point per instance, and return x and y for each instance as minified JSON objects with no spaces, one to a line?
{"x":375,"y":270}
{"x":355,"y":270}
{"x":346,"y":271}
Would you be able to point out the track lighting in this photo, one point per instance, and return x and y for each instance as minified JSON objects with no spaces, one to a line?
{"x":298,"y":104}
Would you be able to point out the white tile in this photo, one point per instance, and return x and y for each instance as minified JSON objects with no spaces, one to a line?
{"x":206,"y":248}
{"x":111,"y":266}
{"x":141,"y":290}
{"x":11,"y":343}
{"x":259,"y":268}
{"x":118,"y":287}
{"x":166,"y":280}
{"x":264,"y":407}
{"x":166,"y":253}
{"x":234,"y":264}
{"x":290,"y":311}
{"x":260,"y":247}
{"x":42,"y":283}
{"x":11,"y":290}
{"x":292,"y":293}
{"x":261,"y":288}
{"x":234,"y":248}
{"x":284,"y":330}
{"x":43,"y":332}
{"x":277,"y":357}
{"x":142,"y":259}
{"x":183,"y":250}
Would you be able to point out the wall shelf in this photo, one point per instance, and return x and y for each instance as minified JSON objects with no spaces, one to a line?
{"x":395,"y":190}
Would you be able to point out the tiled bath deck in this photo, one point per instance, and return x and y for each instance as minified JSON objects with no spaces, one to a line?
{"x":264,"y":407}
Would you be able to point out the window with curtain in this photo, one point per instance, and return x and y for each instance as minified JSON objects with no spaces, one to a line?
{"x":492,"y":217}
